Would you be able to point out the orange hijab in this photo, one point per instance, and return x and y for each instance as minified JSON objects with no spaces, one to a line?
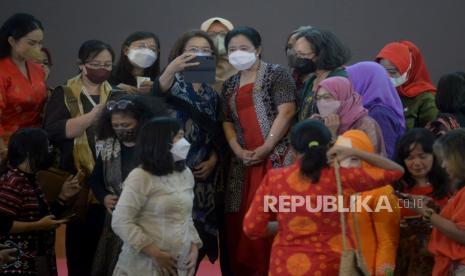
{"x":361,"y":141}
{"x":405,"y":55}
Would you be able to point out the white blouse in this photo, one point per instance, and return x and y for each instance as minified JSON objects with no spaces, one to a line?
{"x":154,"y":209}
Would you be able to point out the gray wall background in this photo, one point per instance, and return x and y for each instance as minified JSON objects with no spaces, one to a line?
{"x":437,"y":27}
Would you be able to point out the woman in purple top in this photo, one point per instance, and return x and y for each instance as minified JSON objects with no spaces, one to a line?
{"x":379,"y":96}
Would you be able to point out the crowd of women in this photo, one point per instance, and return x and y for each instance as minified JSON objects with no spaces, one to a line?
{"x":161,"y":173}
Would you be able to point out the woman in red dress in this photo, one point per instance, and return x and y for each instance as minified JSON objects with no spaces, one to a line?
{"x":309,"y":240}
{"x":22,"y":82}
{"x":259,"y":104}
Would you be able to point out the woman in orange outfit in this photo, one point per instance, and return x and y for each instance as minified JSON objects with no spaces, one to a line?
{"x":308,"y":242}
{"x":379,"y":230}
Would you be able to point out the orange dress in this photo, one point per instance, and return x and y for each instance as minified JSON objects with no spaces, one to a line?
{"x":21,"y":99}
{"x":445,"y":250}
{"x":308,"y":243}
{"x":379,"y":231}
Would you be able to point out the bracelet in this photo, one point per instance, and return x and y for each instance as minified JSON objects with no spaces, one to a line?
{"x":428,"y":214}
{"x":61,"y":201}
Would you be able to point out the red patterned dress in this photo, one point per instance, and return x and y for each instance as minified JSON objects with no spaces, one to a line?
{"x":22,"y":99}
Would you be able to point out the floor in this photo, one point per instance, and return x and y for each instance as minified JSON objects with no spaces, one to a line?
{"x":206,"y":268}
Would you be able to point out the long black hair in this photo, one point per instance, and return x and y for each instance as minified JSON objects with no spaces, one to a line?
{"x":17,"y":26}
{"x":436,"y":176}
{"x":154,"y":142}
{"x":31,"y":144}
{"x":142,"y":109}
{"x":123,"y":70}
{"x":311,"y":138}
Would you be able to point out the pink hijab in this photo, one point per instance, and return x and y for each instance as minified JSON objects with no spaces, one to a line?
{"x":351,"y":109}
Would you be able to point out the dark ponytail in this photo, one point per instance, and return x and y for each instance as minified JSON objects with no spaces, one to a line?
{"x":311,"y":138}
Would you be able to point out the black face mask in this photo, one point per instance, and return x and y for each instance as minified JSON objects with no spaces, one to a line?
{"x":304,"y":66}
{"x":127,"y":135}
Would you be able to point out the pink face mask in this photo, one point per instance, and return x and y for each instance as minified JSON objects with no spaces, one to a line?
{"x":327,"y":107}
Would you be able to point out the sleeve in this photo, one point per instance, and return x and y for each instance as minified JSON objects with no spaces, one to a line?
{"x":3,"y":88}
{"x":225,"y":110}
{"x":283,"y":89}
{"x":261,"y":210}
{"x":427,"y":110}
{"x":389,"y":129}
{"x":56,"y":116}
{"x":373,"y":131}
{"x":97,"y":182}
{"x":458,"y":216}
{"x":11,"y":197}
{"x":194,"y":235}
{"x":156,"y":90}
{"x":360,"y":179}
{"x":387,"y":230}
{"x":124,"y":219}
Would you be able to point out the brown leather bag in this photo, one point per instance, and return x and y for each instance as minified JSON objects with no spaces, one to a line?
{"x":352,"y":261}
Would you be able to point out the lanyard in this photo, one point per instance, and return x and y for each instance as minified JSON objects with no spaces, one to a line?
{"x":84,"y":91}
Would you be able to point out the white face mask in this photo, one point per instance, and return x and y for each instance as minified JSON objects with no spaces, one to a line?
{"x":143,"y":57}
{"x":180,"y":149}
{"x":328,"y":107}
{"x":219,"y":44}
{"x":400,"y":80}
{"x":242,"y":60}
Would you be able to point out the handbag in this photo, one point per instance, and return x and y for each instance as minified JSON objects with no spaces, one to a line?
{"x":51,"y":182}
{"x":352,"y":262}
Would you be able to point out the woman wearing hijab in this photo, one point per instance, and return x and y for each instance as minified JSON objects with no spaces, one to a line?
{"x":379,"y":230}
{"x":404,"y":63}
{"x":381,"y":100}
{"x":341,"y":109}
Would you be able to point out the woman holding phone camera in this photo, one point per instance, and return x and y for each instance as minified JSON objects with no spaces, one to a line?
{"x":28,"y":220}
{"x":197,"y":106}
{"x":139,"y":63}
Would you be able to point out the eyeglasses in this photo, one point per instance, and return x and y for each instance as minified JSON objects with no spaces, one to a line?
{"x":96,"y":65}
{"x":121,"y":104}
{"x":304,"y":55}
{"x":195,"y":50}
{"x":143,"y":45}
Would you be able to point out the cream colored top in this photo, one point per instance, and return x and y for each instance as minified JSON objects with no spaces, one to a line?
{"x":157,"y":210}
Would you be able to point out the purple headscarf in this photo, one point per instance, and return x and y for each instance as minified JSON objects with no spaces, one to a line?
{"x":372,"y":82}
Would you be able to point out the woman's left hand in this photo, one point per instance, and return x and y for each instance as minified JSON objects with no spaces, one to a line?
{"x":70,"y":187}
{"x":260,"y":154}
{"x":145,"y":87}
{"x":192,"y":260}
{"x":205,"y":169}
{"x":339,"y":152}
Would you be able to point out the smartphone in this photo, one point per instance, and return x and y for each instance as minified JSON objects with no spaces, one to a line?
{"x":202,"y":73}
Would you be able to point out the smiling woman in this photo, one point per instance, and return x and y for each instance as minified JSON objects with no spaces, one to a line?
{"x":22,"y":87}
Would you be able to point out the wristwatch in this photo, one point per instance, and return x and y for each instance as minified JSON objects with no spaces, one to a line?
{"x":427,"y":214}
